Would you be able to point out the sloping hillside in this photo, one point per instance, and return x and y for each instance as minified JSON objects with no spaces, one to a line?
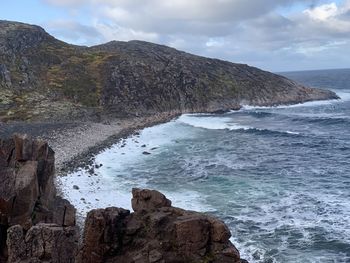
{"x":42,"y":78}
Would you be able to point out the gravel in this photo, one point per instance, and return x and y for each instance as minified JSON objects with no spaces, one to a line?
{"x":75,"y":144}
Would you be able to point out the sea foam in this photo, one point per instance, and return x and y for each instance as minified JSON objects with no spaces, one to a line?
{"x":210,"y":122}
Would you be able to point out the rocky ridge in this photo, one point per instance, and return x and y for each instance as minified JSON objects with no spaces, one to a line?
{"x":37,"y":226}
{"x":44,"y":79}
{"x":155,"y":232}
{"x":28,"y":198}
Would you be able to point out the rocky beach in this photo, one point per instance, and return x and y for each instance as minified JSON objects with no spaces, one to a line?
{"x":76,"y":143}
{"x":82,"y":99}
{"x":62,"y":104}
{"x":36,"y":225}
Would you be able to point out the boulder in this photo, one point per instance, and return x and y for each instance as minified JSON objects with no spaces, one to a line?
{"x":155,"y":232}
{"x":148,"y":200}
{"x":103,"y":235}
{"x":38,"y":226}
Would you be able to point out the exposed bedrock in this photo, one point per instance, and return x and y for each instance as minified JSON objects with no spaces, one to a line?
{"x":155,"y":232}
{"x":44,"y":79}
{"x":37,"y":226}
{"x":28,"y":196}
{"x":42,"y":243}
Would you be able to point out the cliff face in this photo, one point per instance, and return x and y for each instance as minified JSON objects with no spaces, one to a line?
{"x":38,"y":226}
{"x":34,"y":222}
{"x":44,"y":78}
{"x":155,"y":232}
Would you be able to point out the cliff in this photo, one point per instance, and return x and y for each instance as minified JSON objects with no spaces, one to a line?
{"x":42,"y":78}
{"x":34,"y":221}
{"x":38,"y":226}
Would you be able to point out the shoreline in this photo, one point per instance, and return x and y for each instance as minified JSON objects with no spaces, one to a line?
{"x":96,"y":138}
{"x":76,"y":144}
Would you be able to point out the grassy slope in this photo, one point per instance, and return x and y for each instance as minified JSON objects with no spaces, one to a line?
{"x":42,"y":78}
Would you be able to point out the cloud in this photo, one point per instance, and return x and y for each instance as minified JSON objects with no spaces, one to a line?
{"x":66,"y":3}
{"x":209,"y":17}
{"x":115,"y":32}
{"x":323,"y":12}
{"x":254,"y":32}
{"x":74,"y":32}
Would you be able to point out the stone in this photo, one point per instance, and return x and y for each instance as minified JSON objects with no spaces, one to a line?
{"x":5,"y":75}
{"x":192,"y":235}
{"x":155,"y":232}
{"x":154,"y":256}
{"x":42,"y":243}
{"x":148,"y":200}
{"x":219,"y":231}
{"x":27,"y":192}
{"x":64,"y":212}
{"x":15,"y":243}
{"x":103,"y":234}
{"x":27,"y":195}
{"x":38,"y":226}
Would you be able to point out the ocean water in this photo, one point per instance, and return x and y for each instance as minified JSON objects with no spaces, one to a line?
{"x":279,"y":177}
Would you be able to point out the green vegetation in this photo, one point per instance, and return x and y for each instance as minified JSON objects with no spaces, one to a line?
{"x":52,"y":80}
{"x":78,"y":78}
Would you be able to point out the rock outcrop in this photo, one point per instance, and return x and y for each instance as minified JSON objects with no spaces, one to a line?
{"x":28,"y":197}
{"x":42,"y":78}
{"x":155,"y":232}
{"x":42,"y":243}
{"x":36,"y":226}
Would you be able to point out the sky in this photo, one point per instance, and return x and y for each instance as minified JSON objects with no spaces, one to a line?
{"x":275,"y":35}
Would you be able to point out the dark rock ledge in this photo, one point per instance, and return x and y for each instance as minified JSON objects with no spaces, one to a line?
{"x":35,"y":224}
{"x":38,"y":226}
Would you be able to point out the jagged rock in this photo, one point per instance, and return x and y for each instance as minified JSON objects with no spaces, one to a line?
{"x":103,"y":234}
{"x":42,"y":243}
{"x":148,"y":200}
{"x":63,"y":213}
{"x":155,"y":232}
{"x":27,"y":192}
{"x":36,"y":226}
{"x":5,"y":75}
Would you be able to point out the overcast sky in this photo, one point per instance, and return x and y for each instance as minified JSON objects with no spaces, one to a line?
{"x":276,"y":35}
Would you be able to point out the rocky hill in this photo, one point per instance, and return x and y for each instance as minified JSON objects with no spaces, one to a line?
{"x":42,"y":78}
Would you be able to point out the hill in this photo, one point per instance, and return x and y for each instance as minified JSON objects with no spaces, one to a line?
{"x":42,"y":78}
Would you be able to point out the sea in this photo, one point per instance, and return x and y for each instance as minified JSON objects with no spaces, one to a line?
{"x":279,"y":177}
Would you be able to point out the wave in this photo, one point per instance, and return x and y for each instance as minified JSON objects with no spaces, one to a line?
{"x":223,"y":123}
{"x":305,"y":104}
{"x":343,"y":95}
{"x":270,"y":131}
{"x":210,"y":122}
{"x":324,"y":121}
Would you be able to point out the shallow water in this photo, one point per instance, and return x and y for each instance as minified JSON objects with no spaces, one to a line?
{"x":279,"y":177}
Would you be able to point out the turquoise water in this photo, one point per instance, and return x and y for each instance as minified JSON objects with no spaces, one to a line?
{"x":279,"y":177}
